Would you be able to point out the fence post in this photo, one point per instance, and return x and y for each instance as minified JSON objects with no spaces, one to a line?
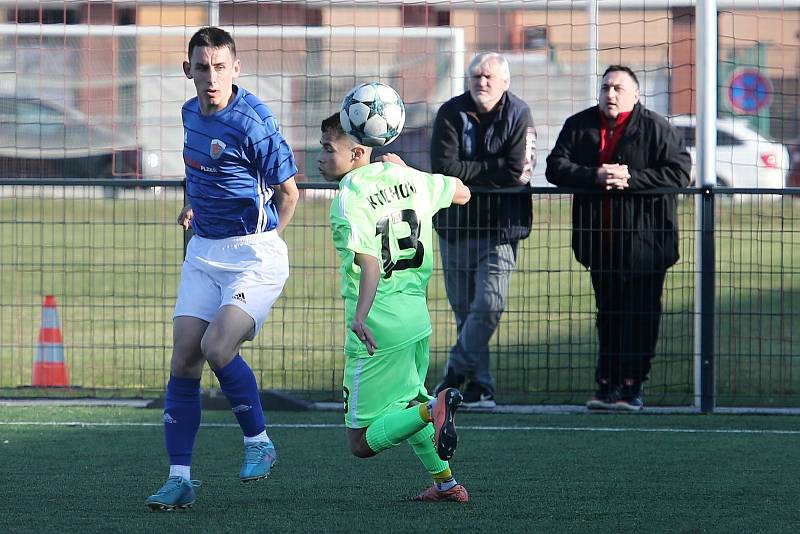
{"x":704,"y":330}
{"x":706,"y":105}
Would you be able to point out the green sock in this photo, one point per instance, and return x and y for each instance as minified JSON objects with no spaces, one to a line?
{"x":422,"y":443}
{"x":394,"y":428}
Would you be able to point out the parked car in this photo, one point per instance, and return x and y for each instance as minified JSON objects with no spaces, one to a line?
{"x":43,"y":139}
{"x":745,"y":158}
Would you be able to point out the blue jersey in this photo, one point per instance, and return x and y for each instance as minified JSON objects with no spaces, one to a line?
{"x":232,"y":159}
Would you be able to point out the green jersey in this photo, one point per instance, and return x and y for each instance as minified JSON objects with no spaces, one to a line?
{"x":384,"y":210}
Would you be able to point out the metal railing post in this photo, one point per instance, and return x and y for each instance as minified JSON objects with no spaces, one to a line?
{"x":706,"y":24}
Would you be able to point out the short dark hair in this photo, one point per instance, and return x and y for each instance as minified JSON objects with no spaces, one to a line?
{"x":212,"y":37}
{"x":333,"y":126}
{"x":625,"y":69}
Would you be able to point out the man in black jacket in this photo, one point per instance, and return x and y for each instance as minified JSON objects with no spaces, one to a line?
{"x":627,"y":241}
{"x":486,"y":138}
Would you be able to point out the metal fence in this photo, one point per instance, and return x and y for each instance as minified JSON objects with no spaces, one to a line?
{"x":110,"y":252}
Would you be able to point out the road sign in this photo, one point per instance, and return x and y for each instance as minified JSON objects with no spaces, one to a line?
{"x":749,"y":91}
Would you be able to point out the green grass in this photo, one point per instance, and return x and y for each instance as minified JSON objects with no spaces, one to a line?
{"x":114,"y":267}
{"x":555,"y":473}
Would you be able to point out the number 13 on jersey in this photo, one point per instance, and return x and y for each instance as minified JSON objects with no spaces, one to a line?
{"x":404,"y":245}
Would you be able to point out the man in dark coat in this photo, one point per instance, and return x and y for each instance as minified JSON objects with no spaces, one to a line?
{"x":626,"y":240}
{"x":485,"y":137}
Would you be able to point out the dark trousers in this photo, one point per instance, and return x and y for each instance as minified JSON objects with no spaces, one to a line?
{"x":477,"y":273}
{"x":628,"y":315}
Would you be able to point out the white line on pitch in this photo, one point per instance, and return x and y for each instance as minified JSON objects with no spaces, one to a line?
{"x":478,"y":428}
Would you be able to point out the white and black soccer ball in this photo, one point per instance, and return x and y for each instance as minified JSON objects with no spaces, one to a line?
{"x":373,"y":114}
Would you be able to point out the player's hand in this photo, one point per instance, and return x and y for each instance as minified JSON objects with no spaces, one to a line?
{"x":185,"y":217}
{"x":392,"y":158}
{"x":364,"y":334}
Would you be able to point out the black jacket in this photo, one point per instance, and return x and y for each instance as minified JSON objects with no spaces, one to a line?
{"x":495,"y":159}
{"x":645,"y":227}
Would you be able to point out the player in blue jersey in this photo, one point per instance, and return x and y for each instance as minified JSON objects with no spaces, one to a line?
{"x":242,"y":194}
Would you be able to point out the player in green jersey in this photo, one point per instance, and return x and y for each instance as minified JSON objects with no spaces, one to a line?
{"x":382,"y":229}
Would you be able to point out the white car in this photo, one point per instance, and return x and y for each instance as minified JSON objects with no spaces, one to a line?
{"x":744,"y":157}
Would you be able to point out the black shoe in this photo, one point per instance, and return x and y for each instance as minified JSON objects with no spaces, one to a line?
{"x":605,"y":398}
{"x":478,"y":396}
{"x":450,"y":380}
{"x":629,"y":404}
{"x":630,"y":397}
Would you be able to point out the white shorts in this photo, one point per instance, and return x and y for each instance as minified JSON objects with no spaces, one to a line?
{"x":245,"y":271}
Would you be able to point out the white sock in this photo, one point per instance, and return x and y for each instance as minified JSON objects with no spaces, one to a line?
{"x":258,"y":438}
{"x":184,"y":471}
{"x":446,"y":485}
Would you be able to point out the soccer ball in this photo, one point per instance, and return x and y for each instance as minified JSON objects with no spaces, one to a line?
{"x":373,"y":114}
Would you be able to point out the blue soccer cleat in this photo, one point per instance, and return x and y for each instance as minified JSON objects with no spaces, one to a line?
{"x":176,"y":493}
{"x":258,"y":460}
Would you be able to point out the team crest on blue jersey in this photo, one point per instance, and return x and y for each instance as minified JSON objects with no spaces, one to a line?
{"x":217,"y":148}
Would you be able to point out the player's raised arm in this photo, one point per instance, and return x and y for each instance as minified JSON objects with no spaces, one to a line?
{"x":368,"y":286}
{"x":286,"y":196}
{"x":462,"y":194}
{"x":391,"y":157}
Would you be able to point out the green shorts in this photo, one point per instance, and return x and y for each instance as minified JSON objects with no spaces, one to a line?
{"x":377,"y":385}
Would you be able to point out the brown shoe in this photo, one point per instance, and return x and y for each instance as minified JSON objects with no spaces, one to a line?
{"x":457,"y":493}
{"x":445,"y":438}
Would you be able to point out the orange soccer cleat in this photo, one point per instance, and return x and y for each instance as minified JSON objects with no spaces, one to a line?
{"x":457,"y":493}
{"x":444,"y":422}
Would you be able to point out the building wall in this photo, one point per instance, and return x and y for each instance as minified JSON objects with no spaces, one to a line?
{"x":636,"y":37}
{"x":778,"y":29}
{"x":158,"y":51}
{"x":652,"y":40}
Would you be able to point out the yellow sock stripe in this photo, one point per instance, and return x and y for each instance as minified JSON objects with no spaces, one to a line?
{"x":444,"y":476}
{"x":424,"y":413}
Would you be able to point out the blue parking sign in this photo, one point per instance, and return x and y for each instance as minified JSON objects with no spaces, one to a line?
{"x":749,"y":91}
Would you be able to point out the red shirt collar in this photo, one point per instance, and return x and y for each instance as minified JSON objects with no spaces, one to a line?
{"x":622,"y":119}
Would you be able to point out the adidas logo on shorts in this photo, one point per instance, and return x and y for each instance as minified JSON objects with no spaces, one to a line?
{"x":168,"y":418}
{"x":240,"y":297}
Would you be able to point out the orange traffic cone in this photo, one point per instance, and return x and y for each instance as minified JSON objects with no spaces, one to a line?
{"x":49,"y":368}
